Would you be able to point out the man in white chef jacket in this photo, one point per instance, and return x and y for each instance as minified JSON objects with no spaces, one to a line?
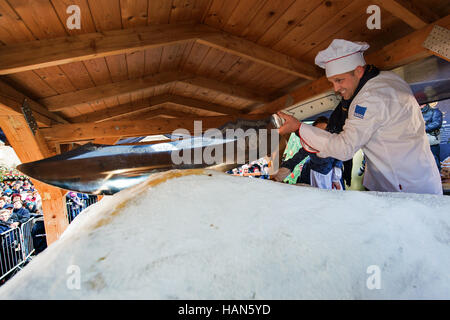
{"x":384,"y":120}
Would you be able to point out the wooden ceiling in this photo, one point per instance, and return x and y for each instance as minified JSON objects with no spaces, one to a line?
{"x":140,"y":59}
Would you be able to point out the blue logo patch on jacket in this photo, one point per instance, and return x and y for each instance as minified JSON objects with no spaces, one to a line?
{"x":359,"y":111}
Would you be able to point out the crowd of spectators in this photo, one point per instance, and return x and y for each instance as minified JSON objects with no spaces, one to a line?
{"x":257,"y":169}
{"x":20,"y":201}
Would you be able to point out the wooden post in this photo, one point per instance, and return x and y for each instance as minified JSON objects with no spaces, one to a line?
{"x":32,"y":147}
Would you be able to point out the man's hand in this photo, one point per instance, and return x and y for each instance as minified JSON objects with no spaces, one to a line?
{"x":281,"y":174}
{"x":291,"y":124}
{"x":336,"y":185}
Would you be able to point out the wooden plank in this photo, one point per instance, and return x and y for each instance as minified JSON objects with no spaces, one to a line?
{"x":133,"y":108}
{"x":86,"y":22}
{"x":134,"y":128}
{"x":135,"y":61}
{"x":73,"y":99}
{"x":98,"y":71}
{"x":78,"y":75}
{"x":108,"y":141}
{"x":203,"y":105}
{"x":56,"y":78}
{"x":408,"y":12}
{"x":291,"y":18}
{"x":118,"y":68}
{"x":30,"y":84}
{"x":170,"y":57}
{"x":160,"y":112}
{"x":199,"y":9}
{"x":265,"y":18}
{"x":159,"y":11}
{"x":391,"y":56}
{"x":152,"y":60}
{"x":355,"y":30}
{"x":112,"y":113}
{"x":331,"y":26}
{"x":29,"y":147}
{"x":40,"y":17}
{"x":209,"y":63}
{"x":394,"y":54}
{"x":12,"y":27}
{"x":106,"y":14}
{"x":195,"y":57}
{"x":260,"y":54}
{"x":224,"y":66}
{"x":222,"y":87}
{"x":181,"y":11}
{"x":242,"y":15}
{"x":327,"y":10}
{"x":219,"y":12}
{"x":134,"y":13}
{"x":8,"y":108}
{"x":38,"y":54}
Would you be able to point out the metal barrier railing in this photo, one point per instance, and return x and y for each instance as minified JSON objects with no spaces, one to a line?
{"x":73,"y":210}
{"x":16,"y":248}
{"x":27,"y":239}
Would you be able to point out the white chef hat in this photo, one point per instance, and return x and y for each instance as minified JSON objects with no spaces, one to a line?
{"x":341,"y":56}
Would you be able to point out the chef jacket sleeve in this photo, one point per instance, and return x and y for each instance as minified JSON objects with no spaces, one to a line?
{"x":366,"y":114}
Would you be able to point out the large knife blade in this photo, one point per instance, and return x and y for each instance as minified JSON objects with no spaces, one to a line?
{"x":107,"y":169}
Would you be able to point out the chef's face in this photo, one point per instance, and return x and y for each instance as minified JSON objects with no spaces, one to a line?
{"x":345,"y":83}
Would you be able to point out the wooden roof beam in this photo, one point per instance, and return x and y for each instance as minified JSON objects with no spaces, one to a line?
{"x":133,"y":128}
{"x":259,"y":54}
{"x":132,"y":109}
{"x":400,"y":52}
{"x":409,"y":12}
{"x":81,"y":97}
{"x":164,"y":111}
{"x":11,"y":101}
{"x":52,"y":52}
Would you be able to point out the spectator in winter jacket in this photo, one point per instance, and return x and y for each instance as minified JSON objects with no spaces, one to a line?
{"x":31,"y":206}
{"x":6,"y":221}
{"x":325,"y":173}
{"x":20,"y":214}
{"x":433,"y":124}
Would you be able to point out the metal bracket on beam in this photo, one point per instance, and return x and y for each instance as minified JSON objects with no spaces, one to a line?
{"x":438,"y":41}
{"x":28,"y":114}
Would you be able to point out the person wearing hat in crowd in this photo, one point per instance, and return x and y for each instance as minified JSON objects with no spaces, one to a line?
{"x":20,"y":214}
{"x":8,"y":192}
{"x":31,"y":206}
{"x":16,"y":197}
{"x":384,"y":120}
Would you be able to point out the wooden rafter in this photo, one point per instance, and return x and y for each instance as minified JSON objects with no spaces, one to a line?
{"x":226,"y":88}
{"x":81,"y":97}
{"x":11,"y":101}
{"x":400,"y":52}
{"x":45,"y":53}
{"x":132,"y":109}
{"x":164,"y":112}
{"x":409,"y":12}
{"x":133,"y":128}
{"x":202,"y":105}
